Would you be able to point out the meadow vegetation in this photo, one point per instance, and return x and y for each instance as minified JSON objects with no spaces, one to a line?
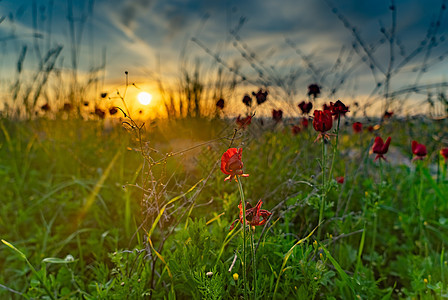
{"x":336,"y":204}
{"x":92,"y":218}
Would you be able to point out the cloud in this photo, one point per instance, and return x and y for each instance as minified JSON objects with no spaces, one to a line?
{"x":177,"y":20}
{"x":131,"y":10}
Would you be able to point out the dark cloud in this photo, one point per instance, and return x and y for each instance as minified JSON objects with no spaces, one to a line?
{"x":131,"y":11}
{"x":177,"y":19}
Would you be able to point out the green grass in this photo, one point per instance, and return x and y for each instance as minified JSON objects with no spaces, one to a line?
{"x":78,"y":203}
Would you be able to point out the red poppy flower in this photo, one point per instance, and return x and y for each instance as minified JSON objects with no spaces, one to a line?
{"x":419,"y":150}
{"x":314,"y":90}
{"x":380,"y":148}
{"x":322,"y":120}
{"x":444,"y":153}
{"x":113,"y":110}
{"x":305,"y":107}
{"x":100,"y":113}
{"x":340,"y":179}
{"x":357,"y":127}
{"x":327,"y":106}
{"x":261,"y":96}
{"x":338,"y":108}
{"x":295,"y":129}
{"x":220,"y":103}
{"x":370,"y":128}
{"x":231,"y":163}
{"x":243,"y":122}
{"x":253,"y":215}
{"x":277,"y":115}
{"x":45,"y":107}
{"x":247,"y":100}
{"x":388,"y":114}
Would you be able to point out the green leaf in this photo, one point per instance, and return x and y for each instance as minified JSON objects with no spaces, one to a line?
{"x":56,"y":260}
{"x":341,"y":272}
{"x":14,"y":248}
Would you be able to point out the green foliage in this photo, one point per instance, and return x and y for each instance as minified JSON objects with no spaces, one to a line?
{"x":50,"y":170}
{"x":194,"y":258}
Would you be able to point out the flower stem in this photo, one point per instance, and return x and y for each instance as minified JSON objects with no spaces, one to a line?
{"x":362,"y":241}
{"x":419,"y":200}
{"x":243,"y":204}
{"x":324,"y":191}
{"x":375,"y":208}
{"x":254,"y":263}
{"x":335,"y":148}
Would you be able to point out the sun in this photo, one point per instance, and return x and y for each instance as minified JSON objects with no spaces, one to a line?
{"x":144,"y":98}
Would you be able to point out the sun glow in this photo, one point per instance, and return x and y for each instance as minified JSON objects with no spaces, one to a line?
{"x":144,"y":98}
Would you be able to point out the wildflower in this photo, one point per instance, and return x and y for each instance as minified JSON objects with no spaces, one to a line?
{"x":261,"y":96}
{"x":388,"y":114}
{"x":295,"y":129}
{"x":370,"y":128}
{"x":326,"y":106}
{"x":103,"y":95}
{"x":209,"y":274}
{"x":253,"y":215}
{"x":419,"y":150}
{"x":220,"y":103}
{"x":113,"y":111}
{"x":231,"y":163}
{"x":322,"y":122}
{"x":305,"y":107}
{"x":243,"y":122}
{"x":235,"y":276}
{"x":247,"y":100}
{"x":357,"y":127}
{"x":338,"y":108}
{"x":314,"y":90}
{"x":380,"y":148}
{"x":277,"y":115}
{"x":45,"y":107}
{"x":100,"y":113}
{"x":86,"y":103}
{"x":444,"y":153}
{"x":340,"y":179}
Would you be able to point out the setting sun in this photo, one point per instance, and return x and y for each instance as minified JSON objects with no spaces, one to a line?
{"x":144,"y":98}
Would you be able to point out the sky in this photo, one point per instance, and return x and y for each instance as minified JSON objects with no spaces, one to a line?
{"x":283,"y":46}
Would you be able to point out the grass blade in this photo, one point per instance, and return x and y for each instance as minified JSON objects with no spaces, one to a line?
{"x":156,"y":221}
{"x":160,"y":257}
{"x":92,"y":196}
{"x":341,"y":272}
{"x":288,"y":254}
{"x":23,"y":256}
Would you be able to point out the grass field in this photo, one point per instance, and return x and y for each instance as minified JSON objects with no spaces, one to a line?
{"x":84,"y":215}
